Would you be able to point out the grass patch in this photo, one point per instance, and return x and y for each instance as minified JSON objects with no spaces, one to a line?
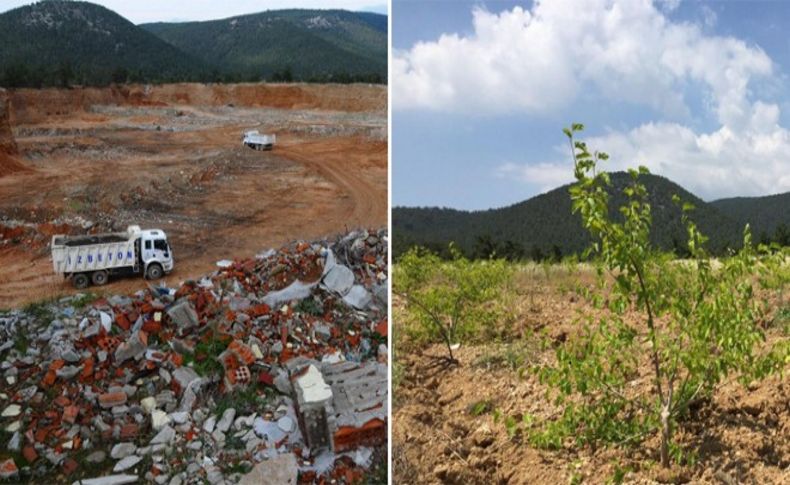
{"x":245,"y":400}
{"x":204,"y":358}
{"x":83,"y":300}
{"x":782,"y":318}
{"x":309,"y":306}
{"x":21,"y":342}
{"x":41,"y":311}
{"x":480,"y":408}
{"x":377,"y":475}
{"x":234,"y":443}
{"x":238,"y":467}
{"x":76,"y":205}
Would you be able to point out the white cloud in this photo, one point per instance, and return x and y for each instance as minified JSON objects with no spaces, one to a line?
{"x":668,"y":5}
{"x":539,"y":61}
{"x":709,"y":16}
{"x":544,"y":176}
{"x":723,"y":163}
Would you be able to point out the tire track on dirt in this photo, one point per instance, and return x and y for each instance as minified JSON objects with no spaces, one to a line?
{"x":368,"y":207}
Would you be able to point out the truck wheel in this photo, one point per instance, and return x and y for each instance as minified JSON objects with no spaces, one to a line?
{"x":80,"y":281}
{"x":154,"y":272}
{"x":99,"y":278}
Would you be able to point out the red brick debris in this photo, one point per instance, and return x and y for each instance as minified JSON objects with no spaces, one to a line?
{"x":101,"y":385}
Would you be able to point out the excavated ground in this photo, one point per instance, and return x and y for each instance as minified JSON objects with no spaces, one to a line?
{"x":444,"y":429}
{"x":171,"y":157}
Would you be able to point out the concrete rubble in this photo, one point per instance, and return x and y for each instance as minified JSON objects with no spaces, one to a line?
{"x":273,"y":366}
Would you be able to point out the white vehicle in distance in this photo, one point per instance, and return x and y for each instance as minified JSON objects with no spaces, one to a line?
{"x":94,"y":258}
{"x":257,"y":141}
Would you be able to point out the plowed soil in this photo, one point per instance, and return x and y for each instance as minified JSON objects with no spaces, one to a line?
{"x":171,"y":157}
{"x":741,"y":434}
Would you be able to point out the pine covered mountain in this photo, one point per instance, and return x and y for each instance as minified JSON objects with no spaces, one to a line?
{"x":303,"y":44}
{"x":765,"y":214}
{"x":63,"y":42}
{"x":543,"y":226}
{"x":59,"y":42}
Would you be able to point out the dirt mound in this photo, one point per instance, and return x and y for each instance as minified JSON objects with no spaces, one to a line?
{"x":7,"y":143}
{"x":8,"y":163}
{"x":33,"y":105}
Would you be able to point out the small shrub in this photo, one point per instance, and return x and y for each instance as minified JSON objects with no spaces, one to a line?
{"x":452,"y":301}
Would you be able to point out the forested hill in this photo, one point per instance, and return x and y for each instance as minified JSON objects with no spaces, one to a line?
{"x":66,"y":43}
{"x":769,"y":216}
{"x":305,"y":44}
{"x":58,"y":42}
{"x":543,"y":226}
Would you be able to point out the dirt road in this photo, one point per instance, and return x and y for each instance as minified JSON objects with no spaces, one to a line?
{"x":110,"y":159}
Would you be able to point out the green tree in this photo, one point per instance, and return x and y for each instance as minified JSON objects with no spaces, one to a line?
{"x":64,"y":74}
{"x":698,"y":323}
{"x":120,"y":75}
{"x":16,"y":75}
{"x":485,"y":247}
{"x":782,"y":235}
{"x":450,"y":299}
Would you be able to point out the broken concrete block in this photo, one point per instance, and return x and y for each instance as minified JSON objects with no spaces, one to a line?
{"x":183,"y":314}
{"x":122,"y":450}
{"x":185,"y":376}
{"x":148,"y":404}
{"x":12,"y":411}
{"x":280,"y":470}
{"x":358,"y":297}
{"x":295,"y":291}
{"x":314,"y":398}
{"x":227,"y":419}
{"x":311,"y":388}
{"x":159,"y":419}
{"x":133,"y":348}
{"x":165,"y":436}
{"x":339,"y":279}
{"x":108,"y":480}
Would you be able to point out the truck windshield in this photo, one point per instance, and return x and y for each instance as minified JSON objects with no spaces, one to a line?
{"x":160,"y":244}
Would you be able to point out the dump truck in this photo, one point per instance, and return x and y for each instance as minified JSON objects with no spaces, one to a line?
{"x":257,"y":141}
{"x":93,"y":258}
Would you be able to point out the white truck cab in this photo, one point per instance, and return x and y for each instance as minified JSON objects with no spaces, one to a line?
{"x":93,"y":258}
{"x":155,"y":254}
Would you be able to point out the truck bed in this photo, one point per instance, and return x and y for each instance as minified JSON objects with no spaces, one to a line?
{"x":73,"y":241}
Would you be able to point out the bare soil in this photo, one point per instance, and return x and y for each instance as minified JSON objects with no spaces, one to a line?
{"x":739,"y":435}
{"x":171,"y":157}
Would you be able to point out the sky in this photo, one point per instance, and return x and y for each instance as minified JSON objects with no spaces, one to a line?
{"x":695,"y":90}
{"x":142,"y":11}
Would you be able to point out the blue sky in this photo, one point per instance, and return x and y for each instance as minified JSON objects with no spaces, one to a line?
{"x":695,"y":90}
{"x":142,"y":11}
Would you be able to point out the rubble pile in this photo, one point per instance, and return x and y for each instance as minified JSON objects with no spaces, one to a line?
{"x":273,"y":366}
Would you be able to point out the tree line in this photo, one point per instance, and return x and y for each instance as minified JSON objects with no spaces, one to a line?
{"x":486,"y":247}
{"x":67,"y":74}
